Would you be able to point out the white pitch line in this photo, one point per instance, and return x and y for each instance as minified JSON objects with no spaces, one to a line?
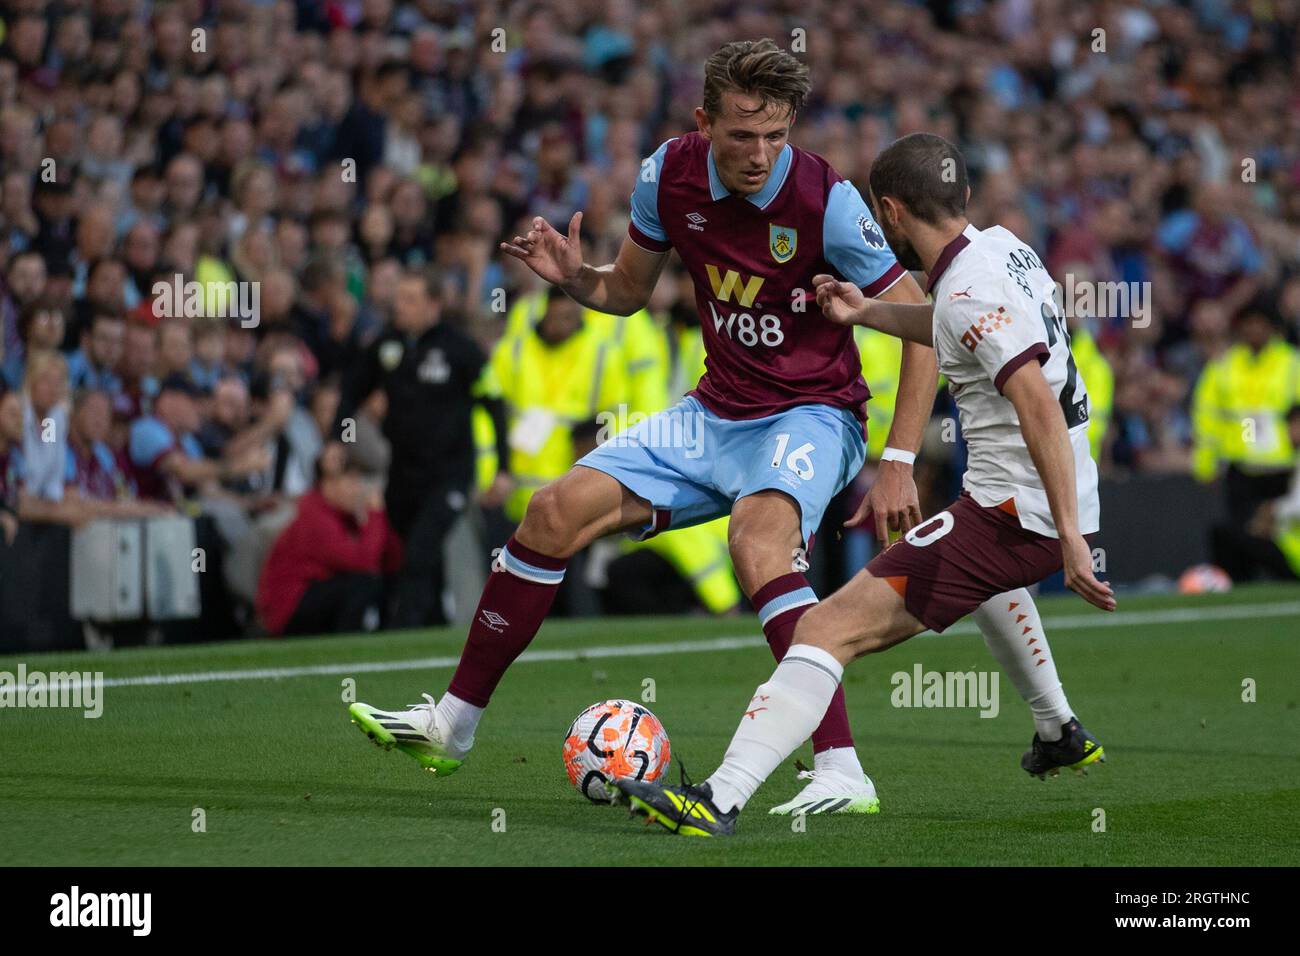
{"x":706,"y":645}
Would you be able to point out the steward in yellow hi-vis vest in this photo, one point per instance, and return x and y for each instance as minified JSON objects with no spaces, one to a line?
{"x":698,"y":554}
{"x":1239,"y":410}
{"x":686,"y":357}
{"x":1268,"y":546}
{"x":645,"y":357}
{"x":1099,"y":380}
{"x":560,"y":373}
{"x":526,"y":312}
{"x":1286,"y":511}
{"x":881,"y":358}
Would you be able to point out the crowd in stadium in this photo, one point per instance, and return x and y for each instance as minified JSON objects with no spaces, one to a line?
{"x":357,"y":164}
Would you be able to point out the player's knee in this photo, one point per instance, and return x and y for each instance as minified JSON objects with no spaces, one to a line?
{"x":547,"y":525}
{"x":759,"y":552}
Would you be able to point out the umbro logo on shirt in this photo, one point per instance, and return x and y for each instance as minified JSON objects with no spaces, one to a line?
{"x":695,"y":221}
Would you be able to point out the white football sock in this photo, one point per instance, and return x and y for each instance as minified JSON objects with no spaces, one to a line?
{"x":782,"y":714}
{"x":458,"y":720}
{"x":1014,"y":634}
{"x":840,"y":760}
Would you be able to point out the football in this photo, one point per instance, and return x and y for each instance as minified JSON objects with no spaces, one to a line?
{"x":610,"y":740}
{"x":1204,"y":579}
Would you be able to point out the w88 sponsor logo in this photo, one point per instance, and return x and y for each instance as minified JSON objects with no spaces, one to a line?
{"x":749,"y":331}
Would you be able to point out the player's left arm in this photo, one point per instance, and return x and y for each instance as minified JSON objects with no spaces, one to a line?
{"x":855,"y":245}
{"x":1048,"y":440}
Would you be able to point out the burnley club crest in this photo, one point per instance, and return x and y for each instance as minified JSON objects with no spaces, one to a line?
{"x":783,"y":241}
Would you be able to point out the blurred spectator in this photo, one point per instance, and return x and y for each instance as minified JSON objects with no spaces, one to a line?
{"x":24,"y":282}
{"x":94,"y":364}
{"x":324,"y":572}
{"x":45,"y":466}
{"x":1240,"y":411}
{"x":139,"y":383}
{"x":97,"y":472}
{"x":99,"y":475}
{"x":208,"y":364}
{"x":176,"y":349}
{"x":40,"y":326}
{"x":429,"y":373}
{"x":1268,"y":546}
{"x":1212,"y":252}
{"x":11,"y":441}
{"x":168,"y":461}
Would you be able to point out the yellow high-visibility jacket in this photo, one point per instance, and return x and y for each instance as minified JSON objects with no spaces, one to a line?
{"x":1099,"y":380}
{"x":686,"y":359}
{"x":701,"y":556}
{"x":1239,"y":410}
{"x":882,"y":356}
{"x":645,"y":356}
{"x":549,"y":389}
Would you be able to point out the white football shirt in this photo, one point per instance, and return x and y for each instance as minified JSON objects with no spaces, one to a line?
{"x":994,"y":310}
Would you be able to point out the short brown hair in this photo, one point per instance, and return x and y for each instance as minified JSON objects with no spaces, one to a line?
{"x":756,"y":67}
{"x":924,"y":172}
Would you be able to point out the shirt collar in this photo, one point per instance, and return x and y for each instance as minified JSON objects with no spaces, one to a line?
{"x":949,"y":253}
{"x":780,"y":169}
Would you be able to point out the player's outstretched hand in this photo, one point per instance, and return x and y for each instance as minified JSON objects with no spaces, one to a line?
{"x":841,"y":302}
{"x":1077,"y":558}
{"x":553,"y":256}
{"x":892,"y":502}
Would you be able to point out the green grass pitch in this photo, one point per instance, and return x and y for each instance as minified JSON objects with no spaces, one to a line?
{"x":1195,"y":776}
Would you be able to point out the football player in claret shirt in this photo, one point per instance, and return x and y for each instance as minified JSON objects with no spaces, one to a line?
{"x":771,"y":433}
{"x":1028,"y":503}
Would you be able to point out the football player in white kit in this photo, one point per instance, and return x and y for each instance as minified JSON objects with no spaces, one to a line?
{"x":1029,"y":499}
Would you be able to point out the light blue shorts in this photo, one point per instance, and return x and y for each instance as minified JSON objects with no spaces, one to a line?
{"x":692,"y":465}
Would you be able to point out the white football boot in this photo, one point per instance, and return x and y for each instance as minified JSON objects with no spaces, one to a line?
{"x":413,"y":731}
{"x":832,"y":791}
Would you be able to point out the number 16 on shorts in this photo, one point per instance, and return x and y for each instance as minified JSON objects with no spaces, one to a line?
{"x":799,"y":461}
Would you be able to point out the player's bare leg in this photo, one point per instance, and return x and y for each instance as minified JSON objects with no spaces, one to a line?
{"x":863,"y":617}
{"x":766,"y":550}
{"x":562,"y":519}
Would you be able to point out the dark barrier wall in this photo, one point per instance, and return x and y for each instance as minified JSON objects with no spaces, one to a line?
{"x":34,"y":591}
{"x":1156,"y":524}
{"x":1150,"y":525}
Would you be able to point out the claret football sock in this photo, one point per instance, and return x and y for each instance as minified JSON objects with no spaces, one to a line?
{"x":780,"y":716}
{"x":1014,"y":635}
{"x":780,"y":603}
{"x":518,"y":594}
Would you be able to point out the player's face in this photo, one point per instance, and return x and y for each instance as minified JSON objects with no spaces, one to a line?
{"x":745,"y":144}
{"x":888,"y":221}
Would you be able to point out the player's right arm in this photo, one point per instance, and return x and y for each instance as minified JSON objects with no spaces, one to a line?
{"x":1048,"y":441}
{"x":622,"y":287}
{"x":844,"y":303}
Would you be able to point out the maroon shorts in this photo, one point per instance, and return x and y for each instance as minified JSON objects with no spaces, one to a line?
{"x":963,"y":556}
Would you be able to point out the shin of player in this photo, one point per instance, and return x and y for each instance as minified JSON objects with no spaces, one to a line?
{"x":784,"y":711}
{"x":1014,"y":635}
